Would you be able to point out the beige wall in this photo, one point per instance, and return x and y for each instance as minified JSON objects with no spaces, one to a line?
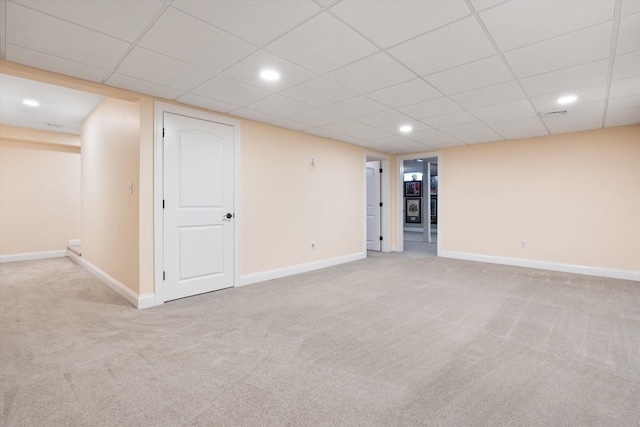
{"x":39,"y":190}
{"x":110,"y":161}
{"x":286,"y":203}
{"x":574,"y":198}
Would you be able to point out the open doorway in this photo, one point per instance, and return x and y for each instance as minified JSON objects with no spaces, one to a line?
{"x":377,"y":228}
{"x":418,"y":204}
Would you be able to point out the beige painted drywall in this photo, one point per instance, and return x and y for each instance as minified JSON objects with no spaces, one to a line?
{"x":287,"y":203}
{"x":574,"y":198}
{"x":110,"y":215}
{"x":39,"y":190}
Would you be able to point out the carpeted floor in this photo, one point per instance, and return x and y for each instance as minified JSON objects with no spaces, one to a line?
{"x":389,"y":340}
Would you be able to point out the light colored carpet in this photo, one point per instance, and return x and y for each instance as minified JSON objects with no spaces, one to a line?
{"x":389,"y":340}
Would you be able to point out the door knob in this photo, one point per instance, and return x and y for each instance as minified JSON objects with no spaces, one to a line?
{"x":229,"y":215}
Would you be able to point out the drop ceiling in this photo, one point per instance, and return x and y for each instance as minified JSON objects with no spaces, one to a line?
{"x":458,"y":71}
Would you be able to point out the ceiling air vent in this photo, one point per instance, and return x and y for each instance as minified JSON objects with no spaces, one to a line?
{"x":552,"y":114}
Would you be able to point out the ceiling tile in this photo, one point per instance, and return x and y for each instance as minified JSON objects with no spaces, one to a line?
{"x":53,"y":63}
{"x":626,"y":87}
{"x":250,"y":114}
{"x":629,"y":34}
{"x":279,"y":106}
{"x":347,"y":127}
{"x":519,"y":23}
{"x":372,"y":73}
{"x":585,"y":95}
{"x":629,"y":7}
{"x":355,"y":107}
{"x":449,"y":119}
{"x":323,"y":133}
{"x":371,"y":133}
{"x":142,"y":86}
{"x":126,"y":21}
{"x":520,"y":120}
{"x":481,"y":137}
{"x":248,"y":71}
{"x":623,"y":118}
{"x":290,"y":124}
{"x":404,"y":144}
{"x":155,"y":68}
{"x":385,"y":118}
{"x":434,"y":138}
{"x":626,"y":66}
{"x":576,"y":124}
{"x":485,"y":72}
{"x":569,"y":78}
{"x":506,"y":109}
{"x":491,"y":95}
{"x":316,"y":118}
{"x":199,"y":37}
{"x":63,"y":39}
{"x":436,"y":107}
{"x":520,"y":132}
{"x":209,"y":104}
{"x":387,"y":23}
{"x":406,"y":93}
{"x":230,"y":91}
{"x":448,"y":47}
{"x":480,"y":5}
{"x":257,"y":21}
{"x":561,"y":51}
{"x":465,"y":128}
{"x":626,"y":103}
{"x":322,"y":44}
{"x":319,"y":92}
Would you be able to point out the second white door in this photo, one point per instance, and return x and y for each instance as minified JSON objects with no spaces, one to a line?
{"x":198,"y":206}
{"x":373,"y":206}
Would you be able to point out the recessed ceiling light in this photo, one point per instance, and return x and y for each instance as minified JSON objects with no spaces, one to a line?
{"x":419,"y":160}
{"x":270,"y":75}
{"x":31,"y":102}
{"x":567,"y":99}
{"x":406,"y":128}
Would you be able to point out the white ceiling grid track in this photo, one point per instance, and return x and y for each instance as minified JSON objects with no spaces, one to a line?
{"x":455,"y":71}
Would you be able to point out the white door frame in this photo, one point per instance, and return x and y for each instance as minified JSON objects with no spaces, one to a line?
{"x":158,"y":188}
{"x":385,"y":198}
{"x":400,"y":195}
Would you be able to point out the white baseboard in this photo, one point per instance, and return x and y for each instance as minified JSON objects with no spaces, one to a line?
{"x":138,"y":301}
{"x":545,"y":265}
{"x":297,"y":269}
{"x":75,"y":242}
{"x":32,"y":256}
{"x":146,"y":301}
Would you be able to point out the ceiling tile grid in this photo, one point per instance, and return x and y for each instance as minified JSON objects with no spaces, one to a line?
{"x":459,"y":72}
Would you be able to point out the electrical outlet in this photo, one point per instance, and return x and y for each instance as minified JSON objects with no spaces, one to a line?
{"x":313,"y":246}
{"x":523,"y":243}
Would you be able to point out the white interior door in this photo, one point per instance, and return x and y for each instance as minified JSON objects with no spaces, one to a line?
{"x":373,"y":206}
{"x":198,"y":206}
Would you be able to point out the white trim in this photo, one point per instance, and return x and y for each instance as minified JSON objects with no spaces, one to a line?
{"x":158,"y":187}
{"x":545,"y":265}
{"x":385,"y":198}
{"x":297,"y":269}
{"x":400,"y":195}
{"x":146,"y":301}
{"x":414,"y":229}
{"x":138,"y":301}
{"x":75,"y":242}
{"x":33,"y":255}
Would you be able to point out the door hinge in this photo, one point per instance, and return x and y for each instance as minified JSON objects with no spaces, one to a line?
{"x":381,"y":238}
{"x":162,"y":203}
{"x":164,"y":276}
{"x":380,"y":204}
{"x":163,"y":132}
{"x":380,"y":170}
